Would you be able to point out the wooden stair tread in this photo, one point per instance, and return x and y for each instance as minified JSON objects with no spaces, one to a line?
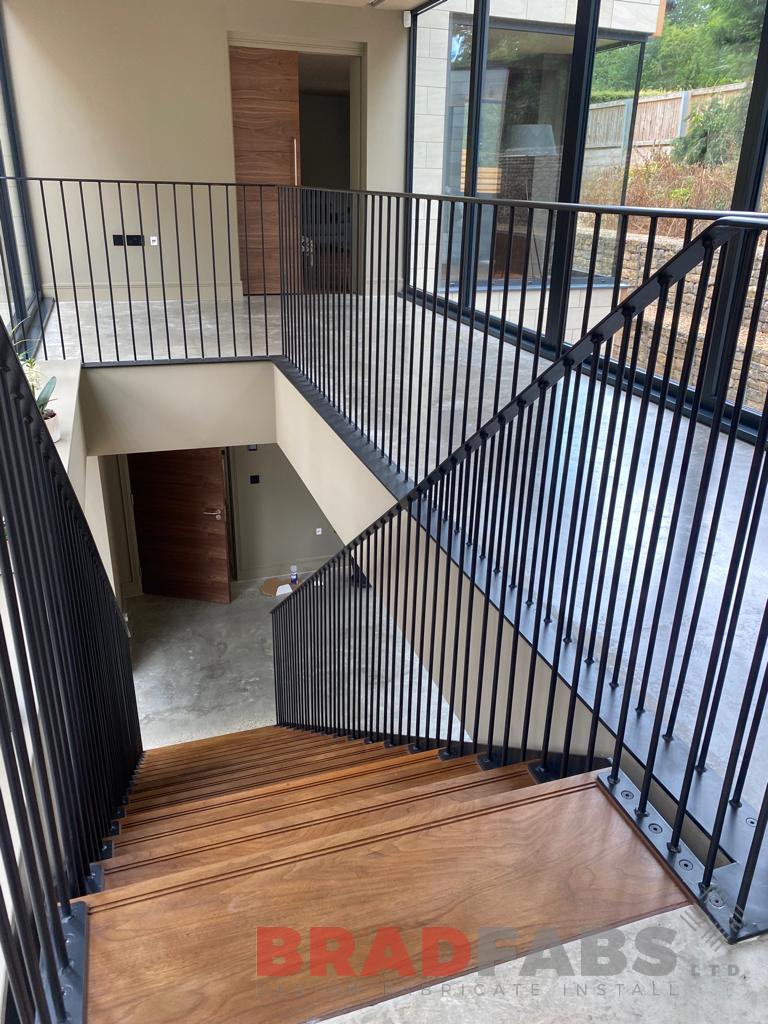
{"x":295,"y":761}
{"x":136,"y":814}
{"x":262,"y":736}
{"x":275,"y":835}
{"x":253,"y":753}
{"x":413,"y":770}
{"x":353,"y":756}
{"x":186,"y":951}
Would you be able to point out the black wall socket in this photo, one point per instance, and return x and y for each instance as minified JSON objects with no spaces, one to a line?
{"x":128,"y":239}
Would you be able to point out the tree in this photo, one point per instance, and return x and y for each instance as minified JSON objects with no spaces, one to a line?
{"x":704,"y":43}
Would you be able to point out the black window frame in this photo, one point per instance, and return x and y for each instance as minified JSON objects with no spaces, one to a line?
{"x":751,"y":170}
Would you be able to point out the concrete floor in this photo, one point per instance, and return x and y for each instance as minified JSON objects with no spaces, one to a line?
{"x":701,"y":979}
{"x":202,"y":669}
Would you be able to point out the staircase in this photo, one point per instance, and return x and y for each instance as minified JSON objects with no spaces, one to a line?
{"x":276,"y":828}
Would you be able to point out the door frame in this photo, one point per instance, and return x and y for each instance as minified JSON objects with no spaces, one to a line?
{"x":357,"y":88}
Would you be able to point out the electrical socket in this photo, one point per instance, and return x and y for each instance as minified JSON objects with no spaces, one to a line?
{"x":319,"y":531}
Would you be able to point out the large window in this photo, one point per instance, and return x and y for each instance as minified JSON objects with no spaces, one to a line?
{"x":688,"y":116}
{"x":507,"y":105}
{"x":667,"y":112}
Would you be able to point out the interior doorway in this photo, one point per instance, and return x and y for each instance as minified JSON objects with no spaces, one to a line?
{"x":325,"y":120}
{"x":181,"y":514}
{"x":297,"y":120}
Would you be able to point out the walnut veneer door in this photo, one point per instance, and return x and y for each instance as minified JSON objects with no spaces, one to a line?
{"x":182,"y":530}
{"x":265,"y":113}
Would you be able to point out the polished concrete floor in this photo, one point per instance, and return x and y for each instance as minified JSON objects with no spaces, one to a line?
{"x":202,"y":669}
{"x":698,"y":978}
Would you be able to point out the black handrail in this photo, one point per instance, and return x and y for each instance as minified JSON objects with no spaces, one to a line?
{"x":69,"y":729}
{"x":561,"y":516}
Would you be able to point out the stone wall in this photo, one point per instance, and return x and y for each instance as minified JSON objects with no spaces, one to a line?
{"x":635,"y":256}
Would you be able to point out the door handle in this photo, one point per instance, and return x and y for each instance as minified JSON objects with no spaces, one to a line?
{"x":216,"y":512}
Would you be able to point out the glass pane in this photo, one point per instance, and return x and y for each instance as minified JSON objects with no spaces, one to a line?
{"x":609,"y":123}
{"x":695,"y":88}
{"x":443,"y":61}
{"x":522,"y":118}
{"x":443,"y":56}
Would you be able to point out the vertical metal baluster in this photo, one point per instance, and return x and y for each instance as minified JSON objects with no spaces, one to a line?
{"x":503,"y":320}
{"x":388,"y":417}
{"x":197,"y":269}
{"x":213,"y":270}
{"x":444,"y":333}
{"x":162,"y":269}
{"x":52,"y":261}
{"x":487,"y":319}
{"x":144,"y":269}
{"x":86,"y":237}
{"x":244,"y":248}
{"x":477,"y":210}
{"x":406,"y":468}
{"x":428,"y":458}
{"x":263,"y":272}
{"x":407,"y":220}
{"x":181,"y":272}
{"x":422,"y":343}
{"x":126,"y":268}
{"x":72,"y":277}
{"x":229,"y":260}
{"x":490,"y":529}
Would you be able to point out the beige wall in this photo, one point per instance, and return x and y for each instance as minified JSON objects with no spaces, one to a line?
{"x":275,"y":519}
{"x":163,"y":408}
{"x":111,"y":90}
{"x":345,"y":490}
{"x":122,"y":90}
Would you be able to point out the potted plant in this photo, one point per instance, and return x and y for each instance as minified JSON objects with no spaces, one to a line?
{"x":43,"y":396}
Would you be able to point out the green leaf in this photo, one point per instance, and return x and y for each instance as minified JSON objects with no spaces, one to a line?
{"x":45,"y":394}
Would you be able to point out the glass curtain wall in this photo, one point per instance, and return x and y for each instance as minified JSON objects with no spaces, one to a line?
{"x":665,"y":128}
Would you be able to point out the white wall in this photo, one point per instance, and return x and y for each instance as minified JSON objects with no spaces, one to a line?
{"x":111,"y":89}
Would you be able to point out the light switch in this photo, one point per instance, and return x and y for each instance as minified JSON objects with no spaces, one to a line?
{"x":319,"y":531}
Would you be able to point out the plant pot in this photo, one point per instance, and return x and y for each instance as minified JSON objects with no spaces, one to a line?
{"x":54,"y":426}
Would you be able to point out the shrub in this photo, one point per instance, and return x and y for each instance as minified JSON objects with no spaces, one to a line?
{"x":662,"y":182}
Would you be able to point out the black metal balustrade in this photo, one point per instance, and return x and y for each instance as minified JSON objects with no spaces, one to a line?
{"x":416,"y":317}
{"x":69,"y":730}
{"x":576,"y":575}
{"x":579,"y":579}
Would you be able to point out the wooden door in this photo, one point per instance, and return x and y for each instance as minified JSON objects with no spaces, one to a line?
{"x":182,"y":525}
{"x":265,"y":115}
